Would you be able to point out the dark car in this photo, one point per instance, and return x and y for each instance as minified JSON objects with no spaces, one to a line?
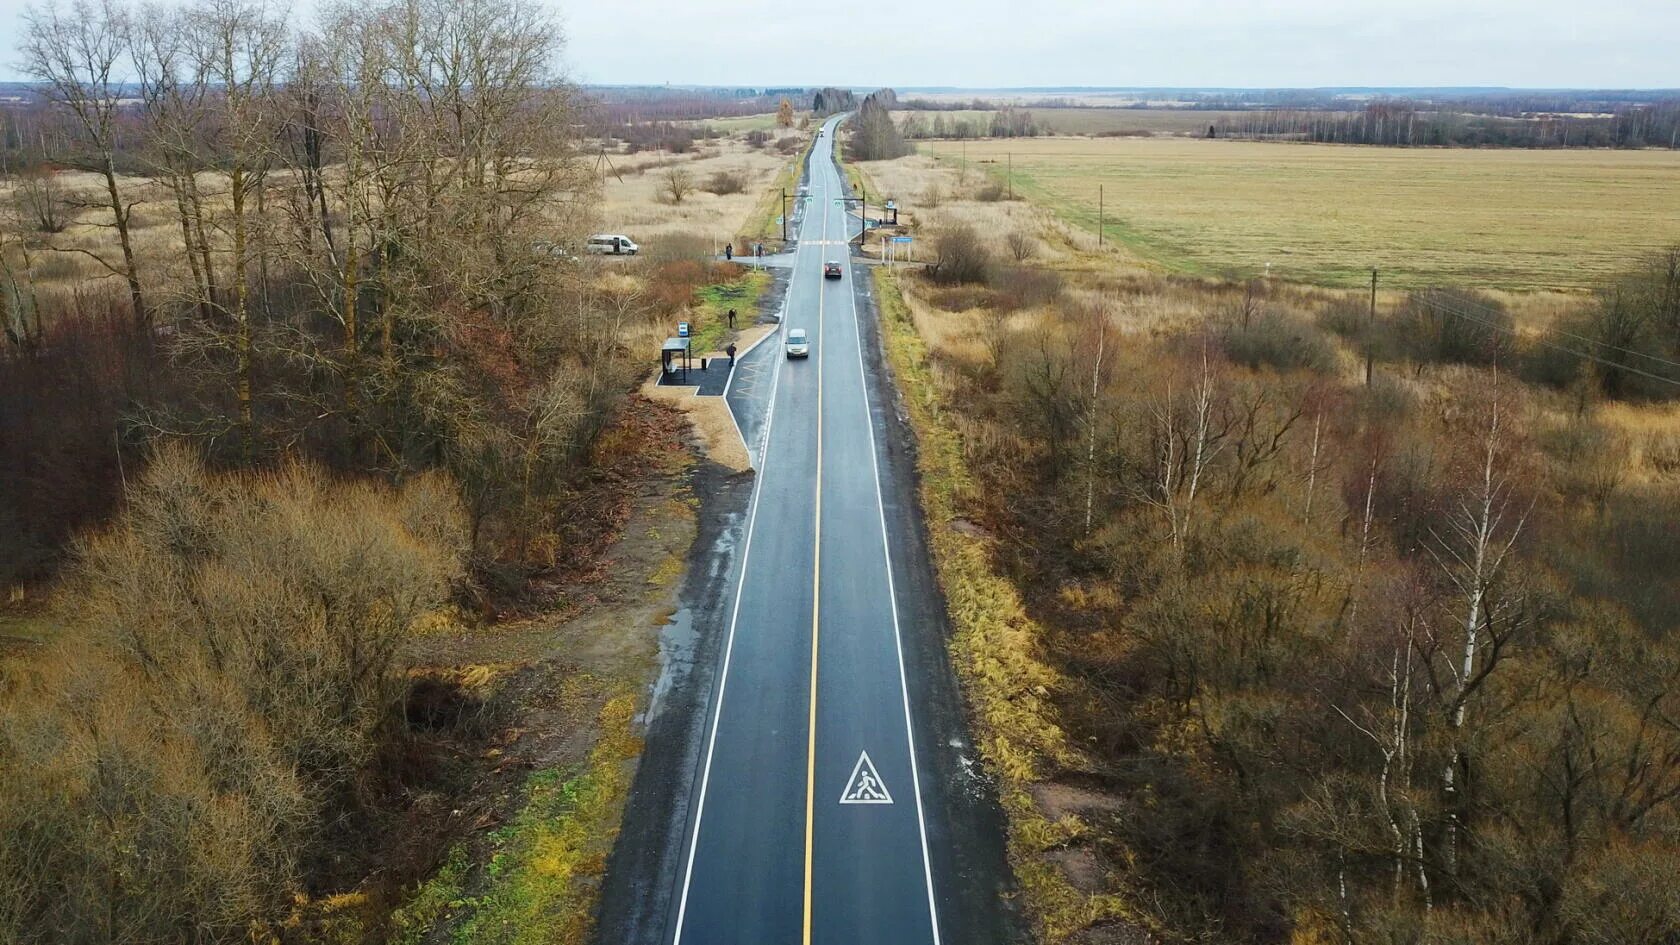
{"x":832,"y":270}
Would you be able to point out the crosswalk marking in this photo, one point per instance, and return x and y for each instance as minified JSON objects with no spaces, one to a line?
{"x":864,"y":786}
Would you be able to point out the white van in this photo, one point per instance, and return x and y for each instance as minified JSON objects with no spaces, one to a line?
{"x":612,"y":244}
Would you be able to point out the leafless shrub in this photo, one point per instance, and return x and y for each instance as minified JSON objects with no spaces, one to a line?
{"x":1022,"y":245}
{"x":788,"y":145}
{"x":228,"y":674}
{"x":1021,"y":287}
{"x":959,"y":256}
{"x":1278,"y":340}
{"x":726,"y":182}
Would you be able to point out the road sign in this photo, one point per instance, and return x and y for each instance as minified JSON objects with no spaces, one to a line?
{"x":901,"y":239}
{"x":865,"y":786}
{"x":778,"y":221}
{"x":682,"y":329}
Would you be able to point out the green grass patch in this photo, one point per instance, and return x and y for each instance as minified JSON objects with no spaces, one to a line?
{"x":28,"y":627}
{"x":539,"y":883}
{"x":713,"y":302}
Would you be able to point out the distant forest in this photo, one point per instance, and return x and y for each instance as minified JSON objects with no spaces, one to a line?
{"x":1403,"y":124}
{"x":1433,"y":118}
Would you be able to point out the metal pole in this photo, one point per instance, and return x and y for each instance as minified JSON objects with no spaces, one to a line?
{"x":1010,"y":175}
{"x":1099,"y":214}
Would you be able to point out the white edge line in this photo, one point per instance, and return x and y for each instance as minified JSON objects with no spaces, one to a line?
{"x":892,"y":594}
{"x":728,"y":652}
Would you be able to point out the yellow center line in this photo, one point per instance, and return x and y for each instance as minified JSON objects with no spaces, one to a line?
{"x":816,"y":606}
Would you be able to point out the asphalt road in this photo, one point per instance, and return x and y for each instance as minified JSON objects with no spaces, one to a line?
{"x":809,"y":822}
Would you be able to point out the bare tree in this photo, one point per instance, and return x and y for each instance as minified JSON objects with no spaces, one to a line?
{"x":175,"y":104}
{"x":235,"y":48}
{"x":677,"y":183}
{"x":1187,"y":440}
{"x":80,"y":56}
{"x":40,"y":200}
{"x":1473,"y":552}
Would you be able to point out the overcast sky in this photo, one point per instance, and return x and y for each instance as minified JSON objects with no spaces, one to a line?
{"x":1003,"y":43}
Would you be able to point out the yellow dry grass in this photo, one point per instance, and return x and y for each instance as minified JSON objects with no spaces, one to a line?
{"x":1326,"y":214}
{"x":933,"y":193}
{"x":639,"y":204}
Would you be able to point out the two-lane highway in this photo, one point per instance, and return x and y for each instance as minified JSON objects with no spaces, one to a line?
{"x":808,"y":824}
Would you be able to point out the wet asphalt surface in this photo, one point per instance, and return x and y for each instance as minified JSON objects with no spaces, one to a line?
{"x":807,"y":775}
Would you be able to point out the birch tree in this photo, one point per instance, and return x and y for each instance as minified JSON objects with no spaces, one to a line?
{"x":1473,"y":551}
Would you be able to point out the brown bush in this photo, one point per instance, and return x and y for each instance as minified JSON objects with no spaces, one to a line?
{"x":228,"y":673}
{"x":726,"y":182}
{"x":789,"y":145}
{"x":959,"y":256}
{"x":1020,"y":287}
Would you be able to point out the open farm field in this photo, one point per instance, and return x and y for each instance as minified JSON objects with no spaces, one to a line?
{"x":1326,"y":214}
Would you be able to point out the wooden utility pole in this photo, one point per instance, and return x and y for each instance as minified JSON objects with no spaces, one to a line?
{"x":1099,"y":215}
{"x":1010,"y":176}
{"x":784,"y":216}
{"x":1371,"y":328}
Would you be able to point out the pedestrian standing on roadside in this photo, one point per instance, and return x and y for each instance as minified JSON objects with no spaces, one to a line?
{"x":729,"y":251}
{"x":731,"y":319}
{"x":759,"y":248}
{"x":731,"y":352}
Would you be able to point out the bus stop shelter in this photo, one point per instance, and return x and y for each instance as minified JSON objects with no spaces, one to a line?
{"x":674,"y":357}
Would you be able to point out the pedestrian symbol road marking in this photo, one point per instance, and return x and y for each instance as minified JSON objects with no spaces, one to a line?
{"x":865,"y":785}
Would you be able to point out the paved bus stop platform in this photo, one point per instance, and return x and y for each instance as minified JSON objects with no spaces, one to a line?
{"x":710,"y":382}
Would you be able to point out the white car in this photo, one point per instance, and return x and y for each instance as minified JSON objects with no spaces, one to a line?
{"x":797,"y":345}
{"x":612,"y":244}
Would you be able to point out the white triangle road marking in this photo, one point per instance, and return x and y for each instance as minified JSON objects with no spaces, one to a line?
{"x":865,"y":785}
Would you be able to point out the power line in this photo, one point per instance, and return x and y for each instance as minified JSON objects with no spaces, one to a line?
{"x":1581,"y":338}
{"x":1553,"y":345}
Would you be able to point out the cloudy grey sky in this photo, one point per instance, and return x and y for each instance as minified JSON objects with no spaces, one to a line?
{"x":1002,"y":43}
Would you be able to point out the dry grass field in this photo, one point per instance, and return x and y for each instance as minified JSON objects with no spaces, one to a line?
{"x":1326,"y":214}
{"x":1148,"y":294}
{"x":637,"y":201}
